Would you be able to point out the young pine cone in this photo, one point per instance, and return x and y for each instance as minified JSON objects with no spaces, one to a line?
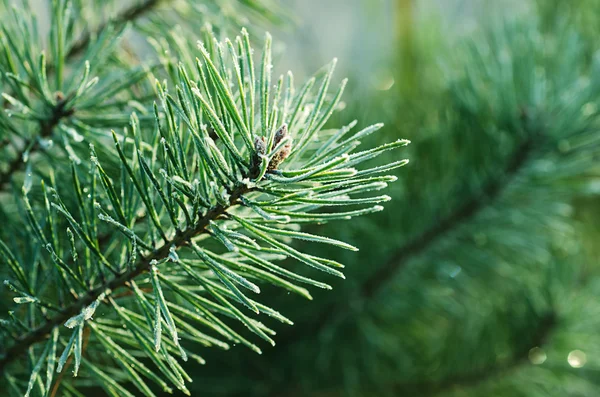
{"x":261,"y":147}
{"x":284,"y":152}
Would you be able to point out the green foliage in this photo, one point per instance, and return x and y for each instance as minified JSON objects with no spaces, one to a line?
{"x":201,"y":172}
{"x":164,"y":202}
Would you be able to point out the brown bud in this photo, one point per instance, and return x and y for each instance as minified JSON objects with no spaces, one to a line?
{"x":280,"y":134}
{"x":284,"y":152}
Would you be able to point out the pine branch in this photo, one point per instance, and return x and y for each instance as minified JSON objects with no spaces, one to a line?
{"x":46,"y":128}
{"x":185,"y":184}
{"x":182,"y":238}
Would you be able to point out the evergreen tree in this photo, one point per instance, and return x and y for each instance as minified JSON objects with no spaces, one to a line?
{"x":146,"y":202}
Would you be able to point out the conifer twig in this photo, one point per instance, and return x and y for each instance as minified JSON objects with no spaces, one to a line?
{"x":58,"y":113}
{"x":222,"y":169}
{"x":144,"y":263}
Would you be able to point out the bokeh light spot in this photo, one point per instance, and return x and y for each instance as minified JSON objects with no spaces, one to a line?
{"x":537,"y":356}
{"x":577,"y":359}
